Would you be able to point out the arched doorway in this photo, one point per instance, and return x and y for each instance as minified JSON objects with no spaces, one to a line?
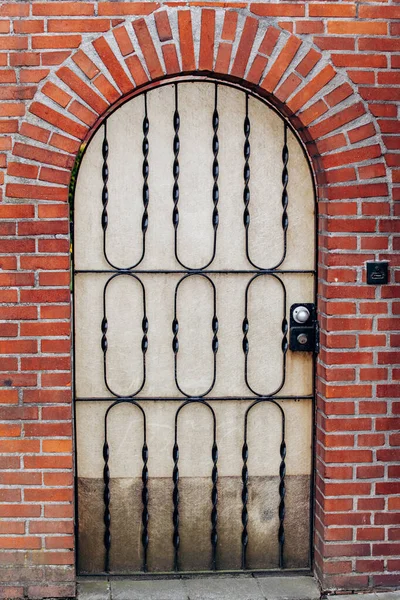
{"x":194,"y":237}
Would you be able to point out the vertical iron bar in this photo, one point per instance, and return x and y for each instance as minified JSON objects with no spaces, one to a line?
{"x":245,"y":498}
{"x":107,"y":498}
{"x":285,"y":196}
{"x":282,"y":493}
{"x":214,"y":500}
{"x":246,"y":174}
{"x":104,"y":192}
{"x":145,"y":172}
{"x":145,"y":502}
{"x":175,"y":499}
{"x":175,"y":170}
{"x":215,"y":171}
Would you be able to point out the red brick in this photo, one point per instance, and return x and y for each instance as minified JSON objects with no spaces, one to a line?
{"x":55,"y":118}
{"x":82,"y":90}
{"x":269,"y":41}
{"x":338,"y":120}
{"x":34,"y":132}
{"x":276,"y":9}
{"x":113,"y":65}
{"x":148,"y":49}
{"x":16,"y":190}
{"x":281,"y":63}
{"x":85,"y":64}
{"x":357,"y":28}
{"x":245,"y":45}
{"x":41,"y":42}
{"x":206,"y":57}
{"x":127,"y":8}
{"x":186,"y":40}
{"x":351,"y":156}
{"x":163,"y":26}
{"x":64,"y":9}
{"x":308,"y":62}
{"x":123,"y":40}
{"x":77,"y":25}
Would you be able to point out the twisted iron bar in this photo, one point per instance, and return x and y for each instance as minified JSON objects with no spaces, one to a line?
{"x":245,"y":499}
{"x":215,"y":171}
{"x":175,"y":167}
{"x":246,"y":171}
{"x":104,"y":192}
{"x":175,"y":500}
{"x":107,"y":500}
{"x":145,"y":172}
{"x":282,"y":494}
{"x":285,"y":182}
{"x":214,"y":501}
{"x":145,"y":502}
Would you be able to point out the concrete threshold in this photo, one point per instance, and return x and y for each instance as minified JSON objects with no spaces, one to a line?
{"x":222,"y":587}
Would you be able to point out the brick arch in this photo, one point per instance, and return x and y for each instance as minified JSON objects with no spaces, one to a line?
{"x":297,"y":78}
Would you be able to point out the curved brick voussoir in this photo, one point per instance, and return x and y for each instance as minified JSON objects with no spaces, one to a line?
{"x":236,"y":45}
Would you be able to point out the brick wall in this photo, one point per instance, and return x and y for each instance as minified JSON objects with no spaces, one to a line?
{"x":331,"y":67}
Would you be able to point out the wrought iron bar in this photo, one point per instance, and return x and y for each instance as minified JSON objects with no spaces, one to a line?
{"x":175,"y":340}
{"x":214,"y":492}
{"x":209,"y":398}
{"x":145,"y":189}
{"x":245,"y":499}
{"x":195,"y":271}
{"x":104,"y":340}
{"x":107,"y":493}
{"x":107,"y":500}
{"x":282,"y":494}
{"x":284,"y":329}
{"x":245,"y":480}
{"x":246,"y":174}
{"x":175,"y":172}
{"x":145,"y":502}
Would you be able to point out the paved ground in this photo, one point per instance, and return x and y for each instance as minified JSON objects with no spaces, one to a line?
{"x":244,"y":587}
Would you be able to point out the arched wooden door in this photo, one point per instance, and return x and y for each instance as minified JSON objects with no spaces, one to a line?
{"x":194,"y":240}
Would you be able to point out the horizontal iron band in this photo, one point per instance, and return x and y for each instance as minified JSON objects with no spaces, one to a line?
{"x":198,"y":398}
{"x":197,"y":271}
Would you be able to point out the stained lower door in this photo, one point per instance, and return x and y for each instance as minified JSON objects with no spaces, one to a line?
{"x":194,"y":237}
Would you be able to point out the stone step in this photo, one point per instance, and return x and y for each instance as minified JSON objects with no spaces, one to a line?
{"x":242,"y":587}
